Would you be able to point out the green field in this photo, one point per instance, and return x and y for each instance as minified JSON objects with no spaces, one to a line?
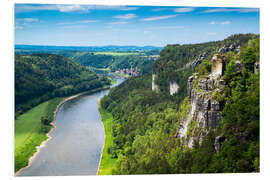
{"x":107,"y":162}
{"x":113,"y":80}
{"x":30,"y":132}
{"x":118,"y":53}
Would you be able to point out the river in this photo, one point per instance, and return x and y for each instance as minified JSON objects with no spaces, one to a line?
{"x":77,"y":141}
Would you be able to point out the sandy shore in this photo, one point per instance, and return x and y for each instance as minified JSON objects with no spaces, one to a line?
{"x":43,"y":144}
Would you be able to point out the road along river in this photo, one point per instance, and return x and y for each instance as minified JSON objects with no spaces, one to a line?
{"x":77,"y":141}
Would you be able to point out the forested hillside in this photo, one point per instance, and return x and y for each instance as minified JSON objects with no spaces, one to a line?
{"x":113,"y":62}
{"x":146,"y":122}
{"x":40,"y":77}
{"x":175,"y":62}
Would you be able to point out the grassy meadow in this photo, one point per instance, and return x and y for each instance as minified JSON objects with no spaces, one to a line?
{"x":30,"y":132}
{"x":107,"y":162}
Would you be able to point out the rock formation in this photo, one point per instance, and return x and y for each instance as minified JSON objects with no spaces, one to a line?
{"x":225,"y":49}
{"x":198,"y":61}
{"x":218,"y":141}
{"x":205,"y":110}
{"x":238,"y":49}
{"x":239,"y":66}
{"x":218,"y":66}
{"x":256,"y":67}
{"x":154,"y":85}
{"x":173,"y":87}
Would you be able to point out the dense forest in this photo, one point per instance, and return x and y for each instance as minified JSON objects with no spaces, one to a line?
{"x":146,"y":122}
{"x":40,"y":77}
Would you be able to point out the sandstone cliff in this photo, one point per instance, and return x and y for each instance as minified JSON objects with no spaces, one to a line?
{"x":206,"y":111}
{"x":173,"y":87}
{"x":154,"y":85}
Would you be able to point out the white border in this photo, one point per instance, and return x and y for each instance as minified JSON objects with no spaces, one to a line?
{"x":7,"y":81}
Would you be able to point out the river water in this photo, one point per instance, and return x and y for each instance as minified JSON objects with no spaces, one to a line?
{"x":77,"y":141}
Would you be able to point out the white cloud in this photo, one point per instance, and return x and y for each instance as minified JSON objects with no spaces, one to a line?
{"x":167,"y":27}
{"x":222,"y":23}
{"x":109,"y":7}
{"x":146,"y":32}
{"x":18,"y":27}
{"x":26,"y":20}
{"x":160,"y":9}
{"x":155,"y":18}
{"x":68,"y":8}
{"x":29,"y":8}
{"x":72,"y":8}
{"x":241,"y":10}
{"x":50,"y":7}
{"x":126,"y":16}
{"x":21,"y":23}
{"x":183,"y":10}
{"x":119,"y":22}
{"x":87,"y":21}
{"x":77,"y":22}
{"x":73,"y":26}
{"x":226,"y":22}
{"x":173,"y":27}
{"x":128,"y":8}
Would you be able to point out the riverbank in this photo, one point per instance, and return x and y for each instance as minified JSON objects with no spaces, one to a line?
{"x":37,"y":139}
{"x":106,"y":163}
{"x":29,"y":132}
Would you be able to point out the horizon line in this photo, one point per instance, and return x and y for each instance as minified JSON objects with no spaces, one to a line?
{"x":86,"y":45}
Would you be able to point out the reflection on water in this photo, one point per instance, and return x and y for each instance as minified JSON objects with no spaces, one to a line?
{"x":76,"y":143}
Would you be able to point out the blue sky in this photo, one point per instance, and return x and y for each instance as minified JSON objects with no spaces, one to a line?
{"x":96,"y":25}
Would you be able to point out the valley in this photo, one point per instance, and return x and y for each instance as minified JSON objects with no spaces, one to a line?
{"x":177,"y":111}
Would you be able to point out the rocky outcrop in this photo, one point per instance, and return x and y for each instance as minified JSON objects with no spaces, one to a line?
{"x":218,"y":65}
{"x":225,"y":49}
{"x":199,"y":60}
{"x":173,"y":87}
{"x":238,"y":49}
{"x":239,"y":66}
{"x":256,"y":67}
{"x":218,"y":141}
{"x":154,"y":85}
{"x":205,"y":111}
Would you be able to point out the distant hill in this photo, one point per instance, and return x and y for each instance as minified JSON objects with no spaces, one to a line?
{"x":21,"y":47}
{"x":40,"y":77}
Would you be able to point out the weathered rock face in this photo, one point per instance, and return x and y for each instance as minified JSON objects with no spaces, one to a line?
{"x":218,"y":65}
{"x":208,"y":111}
{"x":154,"y":85}
{"x":239,"y":66}
{"x":238,"y":49}
{"x":205,"y":111}
{"x":218,"y":141}
{"x":256,"y":67}
{"x":225,"y":49}
{"x":198,"y":61}
{"x":173,"y":87}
